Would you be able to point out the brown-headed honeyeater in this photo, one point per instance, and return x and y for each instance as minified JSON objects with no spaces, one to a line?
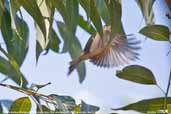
{"x":107,"y":51}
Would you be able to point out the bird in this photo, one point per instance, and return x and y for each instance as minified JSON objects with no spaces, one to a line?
{"x":108,"y":51}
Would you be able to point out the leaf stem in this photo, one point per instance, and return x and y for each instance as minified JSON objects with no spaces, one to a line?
{"x":167,"y":91}
{"x":161,"y":89}
{"x":168,"y":86}
{"x":29,"y":92}
{"x":6,"y":78}
{"x":37,"y":103}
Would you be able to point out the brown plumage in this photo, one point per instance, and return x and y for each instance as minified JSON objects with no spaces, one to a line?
{"x":106,"y":52}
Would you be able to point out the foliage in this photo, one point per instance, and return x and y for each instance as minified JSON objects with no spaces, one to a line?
{"x":21,"y":105}
{"x":15,"y":33}
{"x":156,"y":32}
{"x":147,"y":106}
{"x":138,"y":74}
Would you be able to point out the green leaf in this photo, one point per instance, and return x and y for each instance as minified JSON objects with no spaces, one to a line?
{"x":39,"y":50}
{"x":65,"y":103}
{"x":86,"y":6}
{"x":13,"y":12}
{"x":88,"y":108}
{"x":59,"y":105}
{"x":145,"y":106}
{"x":44,"y":110}
{"x":37,"y":87}
{"x":1,"y":109}
{"x":73,"y":46}
{"x":1,"y":13}
{"x":53,"y":44}
{"x":14,"y":64}
{"x":2,"y":4}
{"x":156,"y":32}
{"x":21,"y":106}
{"x":103,"y":11}
{"x":2,"y":8}
{"x":72,"y":9}
{"x":86,"y":26}
{"x":169,"y":108}
{"x":8,"y":33}
{"x":95,"y":17}
{"x":68,"y":101}
{"x":92,"y":13}
{"x":41,"y":39}
{"x":62,"y":10}
{"x":115,"y":13}
{"x":138,"y":74}
{"x":76,"y":109}
{"x":51,"y":9}
{"x":54,"y":41}
{"x":47,"y":10}
{"x":7,"y":69}
{"x":33,"y":9}
{"x":16,"y":41}
{"x":147,"y":11}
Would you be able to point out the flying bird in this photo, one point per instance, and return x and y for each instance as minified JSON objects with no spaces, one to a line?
{"x":108,"y":52}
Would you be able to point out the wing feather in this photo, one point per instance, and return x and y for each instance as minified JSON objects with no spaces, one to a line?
{"x":123,"y":52}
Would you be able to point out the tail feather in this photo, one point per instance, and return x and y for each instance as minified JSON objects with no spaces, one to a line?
{"x":73,"y":66}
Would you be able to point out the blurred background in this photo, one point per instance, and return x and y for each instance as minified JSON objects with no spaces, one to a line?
{"x":101,"y":87}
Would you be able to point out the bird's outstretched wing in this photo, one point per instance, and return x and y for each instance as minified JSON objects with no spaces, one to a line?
{"x":88,"y":45}
{"x":122,"y":52}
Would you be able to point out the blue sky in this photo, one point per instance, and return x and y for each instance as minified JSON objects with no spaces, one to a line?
{"x":101,"y":87}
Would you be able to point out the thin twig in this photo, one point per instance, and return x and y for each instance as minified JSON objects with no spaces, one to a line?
{"x":161,"y":89}
{"x":37,"y":103}
{"x":29,"y":92}
{"x":6,"y":78}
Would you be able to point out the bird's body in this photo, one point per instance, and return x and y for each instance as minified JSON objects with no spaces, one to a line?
{"x":106,"y":52}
